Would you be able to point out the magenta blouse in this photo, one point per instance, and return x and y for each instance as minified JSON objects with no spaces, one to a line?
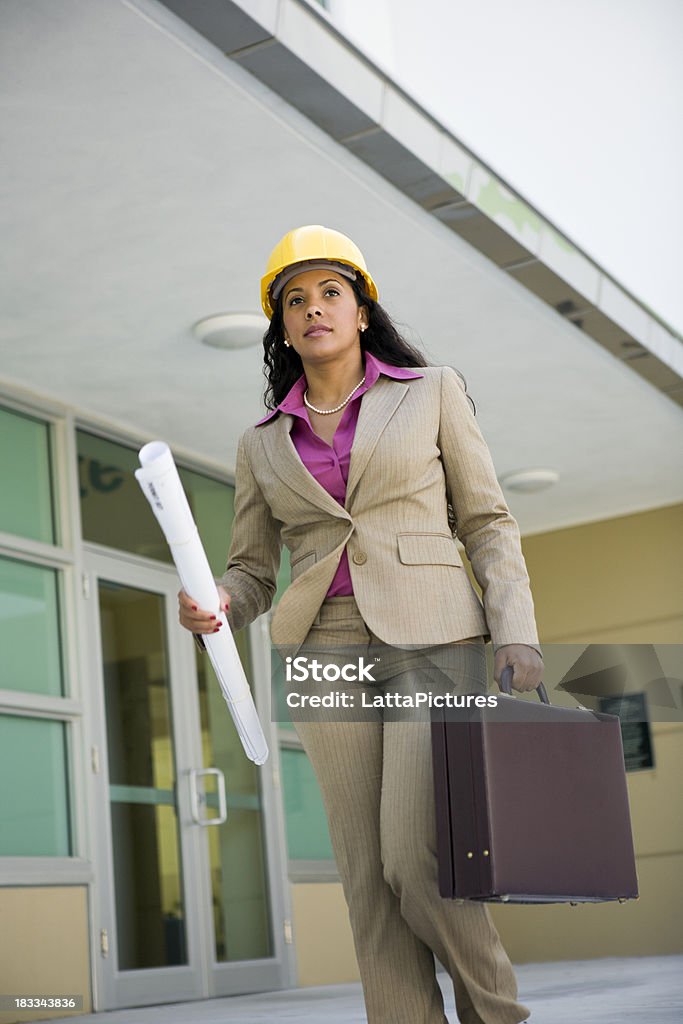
{"x":329,"y":464}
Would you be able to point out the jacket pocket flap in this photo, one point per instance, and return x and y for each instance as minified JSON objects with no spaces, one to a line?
{"x":302,"y":562}
{"x":428,"y":549}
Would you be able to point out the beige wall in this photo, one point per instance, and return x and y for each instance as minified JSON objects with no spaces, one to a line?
{"x":616,"y":581}
{"x":322,"y":933}
{"x":44,"y":946}
{"x":613,"y":581}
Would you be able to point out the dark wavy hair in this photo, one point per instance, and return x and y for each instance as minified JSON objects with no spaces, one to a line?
{"x":282,"y":366}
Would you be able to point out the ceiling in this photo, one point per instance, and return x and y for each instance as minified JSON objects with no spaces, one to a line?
{"x":146,"y":178}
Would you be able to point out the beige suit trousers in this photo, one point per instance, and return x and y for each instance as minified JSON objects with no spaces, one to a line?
{"x":377,"y":787}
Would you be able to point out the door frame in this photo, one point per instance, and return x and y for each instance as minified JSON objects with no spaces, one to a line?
{"x":202,"y":977}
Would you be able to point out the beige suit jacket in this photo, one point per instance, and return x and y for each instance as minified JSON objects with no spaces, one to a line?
{"x":416,"y":445}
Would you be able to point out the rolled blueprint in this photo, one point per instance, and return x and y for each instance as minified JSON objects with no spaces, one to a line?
{"x":161,"y":485}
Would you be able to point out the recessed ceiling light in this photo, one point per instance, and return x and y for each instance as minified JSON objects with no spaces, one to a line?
{"x":528,"y":481}
{"x":231,"y":330}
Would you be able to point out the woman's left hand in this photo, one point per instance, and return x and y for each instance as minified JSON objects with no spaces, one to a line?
{"x":527,"y":666}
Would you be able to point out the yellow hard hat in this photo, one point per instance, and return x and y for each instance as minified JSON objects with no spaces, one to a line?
{"x":310,"y":246}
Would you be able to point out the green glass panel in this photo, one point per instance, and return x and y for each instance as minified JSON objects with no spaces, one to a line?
{"x":213,"y":508}
{"x":26,"y":505}
{"x":150,"y":919}
{"x":239,"y":878}
{"x":284,"y":576}
{"x":116,"y":513}
{"x":29,"y":629}
{"x":34,"y":789}
{"x":280,"y":713}
{"x":238,"y":884}
{"x":308,"y":836}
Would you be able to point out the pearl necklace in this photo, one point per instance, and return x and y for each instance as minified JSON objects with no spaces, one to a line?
{"x":328,"y":412}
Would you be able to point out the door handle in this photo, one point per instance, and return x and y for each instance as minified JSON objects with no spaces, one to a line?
{"x":195,"y":799}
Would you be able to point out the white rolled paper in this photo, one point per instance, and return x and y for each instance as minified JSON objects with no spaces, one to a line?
{"x":161,"y":485}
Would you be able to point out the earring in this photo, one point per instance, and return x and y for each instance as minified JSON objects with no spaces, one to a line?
{"x":363,"y":327}
{"x":286,"y":343}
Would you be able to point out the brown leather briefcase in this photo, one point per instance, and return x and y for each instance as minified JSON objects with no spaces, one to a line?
{"x":531,"y":803}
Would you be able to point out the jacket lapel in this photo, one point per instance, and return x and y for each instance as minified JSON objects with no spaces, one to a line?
{"x":376,"y":409}
{"x":287,"y":465}
{"x":378,"y":406}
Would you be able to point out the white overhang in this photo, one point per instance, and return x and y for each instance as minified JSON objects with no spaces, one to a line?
{"x":292,"y":47}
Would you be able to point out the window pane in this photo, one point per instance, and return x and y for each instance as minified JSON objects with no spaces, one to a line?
{"x":278,"y":693}
{"x":284,"y":576}
{"x":29,"y":629}
{"x":308,"y":837}
{"x":116,"y":513}
{"x":114,"y":510}
{"x":26,"y":494}
{"x":213,"y":508}
{"x":143,"y":788}
{"x":239,"y":876}
{"x":34,"y":792}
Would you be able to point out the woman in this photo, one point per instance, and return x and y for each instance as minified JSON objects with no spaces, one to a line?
{"x":365,"y":463}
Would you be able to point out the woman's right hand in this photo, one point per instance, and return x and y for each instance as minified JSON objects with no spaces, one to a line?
{"x":193,"y":618}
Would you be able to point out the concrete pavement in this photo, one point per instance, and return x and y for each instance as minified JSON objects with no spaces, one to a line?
{"x":643,"y":990}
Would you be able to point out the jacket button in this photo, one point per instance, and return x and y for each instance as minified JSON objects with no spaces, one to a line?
{"x":359,"y":557}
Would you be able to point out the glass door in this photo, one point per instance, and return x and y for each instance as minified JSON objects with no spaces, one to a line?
{"x":190,"y":872}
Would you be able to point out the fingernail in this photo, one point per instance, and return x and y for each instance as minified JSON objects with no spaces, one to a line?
{"x":217,"y":629}
{"x":212,"y":616}
{"x":194,"y":608}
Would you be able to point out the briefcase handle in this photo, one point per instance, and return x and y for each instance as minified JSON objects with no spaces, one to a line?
{"x":506,"y":685}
